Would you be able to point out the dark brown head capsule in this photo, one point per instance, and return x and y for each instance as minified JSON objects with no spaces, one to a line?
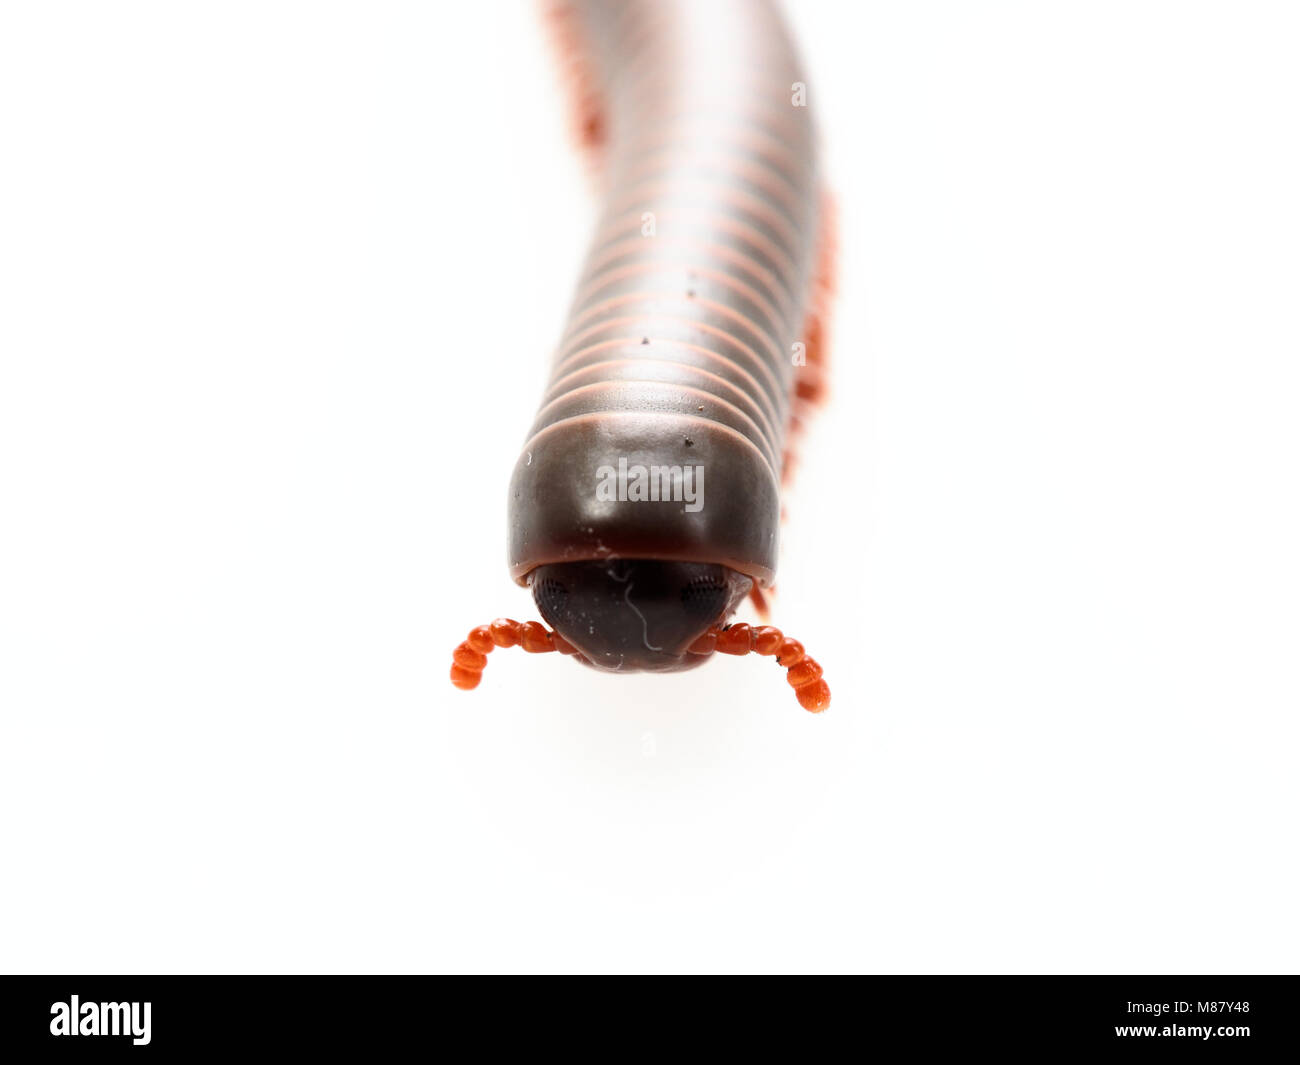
{"x":629,"y":615}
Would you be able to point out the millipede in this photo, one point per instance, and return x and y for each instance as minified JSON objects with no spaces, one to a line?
{"x":645,"y":505}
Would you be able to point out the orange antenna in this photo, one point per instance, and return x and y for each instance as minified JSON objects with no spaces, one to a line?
{"x":470,"y":656}
{"x":803,"y":673}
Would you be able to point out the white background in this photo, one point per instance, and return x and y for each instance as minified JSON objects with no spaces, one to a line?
{"x":278,"y":286}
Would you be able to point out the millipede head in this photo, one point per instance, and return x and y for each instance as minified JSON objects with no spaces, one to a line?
{"x":803,"y":673}
{"x":636,"y":615}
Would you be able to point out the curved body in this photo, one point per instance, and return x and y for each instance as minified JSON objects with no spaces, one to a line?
{"x":662,"y":431}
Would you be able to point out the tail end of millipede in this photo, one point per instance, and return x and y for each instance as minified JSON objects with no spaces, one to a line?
{"x":581,"y":88}
{"x":803,"y":673}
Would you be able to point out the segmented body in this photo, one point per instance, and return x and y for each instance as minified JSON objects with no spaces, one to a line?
{"x":695,"y":334}
{"x":693,"y":347}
